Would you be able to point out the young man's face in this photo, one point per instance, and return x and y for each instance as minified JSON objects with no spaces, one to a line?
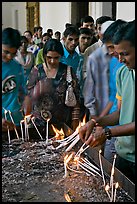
{"x":126,"y":53}
{"x":8,"y":53}
{"x":84,"y":41}
{"x":71,"y":42}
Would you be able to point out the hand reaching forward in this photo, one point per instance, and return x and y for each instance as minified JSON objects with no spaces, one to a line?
{"x":97,"y":137}
{"x":86,"y":130}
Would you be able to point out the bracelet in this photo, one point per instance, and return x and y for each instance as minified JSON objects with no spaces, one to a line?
{"x":108,"y":133}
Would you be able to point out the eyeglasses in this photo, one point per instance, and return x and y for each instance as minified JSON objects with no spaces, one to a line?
{"x":6,"y":52}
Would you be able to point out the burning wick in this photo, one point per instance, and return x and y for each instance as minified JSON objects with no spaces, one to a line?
{"x":67,"y":197}
{"x":101,"y":166}
{"x":107,"y":189}
{"x":116,"y":186}
{"x":66,"y":160}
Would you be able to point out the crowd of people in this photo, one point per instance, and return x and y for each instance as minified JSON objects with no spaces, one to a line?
{"x":101,"y":60}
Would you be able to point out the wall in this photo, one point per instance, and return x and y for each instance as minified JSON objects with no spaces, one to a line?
{"x":14,"y":15}
{"x":126,"y":10}
{"x":54,"y":15}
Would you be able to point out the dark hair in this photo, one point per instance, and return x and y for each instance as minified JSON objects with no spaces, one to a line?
{"x":86,"y":31}
{"x":11,"y":37}
{"x":87,"y":19}
{"x":23,"y":38}
{"x":46,"y":34}
{"x":125,"y":32}
{"x":49,"y":30}
{"x":53,"y":45}
{"x":111,"y":30}
{"x":72,"y":30}
{"x":28,"y":31}
{"x":57,"y":33}
{"x":103,"y":19}
{"x":68,"y":25}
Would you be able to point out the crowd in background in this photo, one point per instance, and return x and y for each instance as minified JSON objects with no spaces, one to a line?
{"x":101,"y":55}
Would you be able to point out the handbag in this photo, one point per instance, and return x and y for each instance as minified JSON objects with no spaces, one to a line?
{"x":70,"y":99}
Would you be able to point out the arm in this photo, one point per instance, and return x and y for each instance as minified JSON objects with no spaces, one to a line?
{"x":106,"y":109}
{"x":108,"y":120}
{"x":99,"y":137}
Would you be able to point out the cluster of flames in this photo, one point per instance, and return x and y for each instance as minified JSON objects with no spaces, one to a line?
{"x":75,"y":158}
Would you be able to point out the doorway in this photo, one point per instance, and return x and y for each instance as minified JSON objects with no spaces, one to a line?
{"x":32,"y":15}
{"x":78,"y":11}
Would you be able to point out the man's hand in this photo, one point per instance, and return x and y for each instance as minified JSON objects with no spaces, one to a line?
{"x":97,"y":137}
{"x":86,"y":130}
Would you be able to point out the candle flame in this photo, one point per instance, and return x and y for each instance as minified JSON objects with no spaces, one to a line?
{"x":116,"y":185}
{"x":81,"y":123}
{"x":67,"y":158}
{"x":27,"y":118}
{"x":67,"y":197}
{"x":100,"y":151}
{"x":107,"y":187}
{"x":59,"y":133}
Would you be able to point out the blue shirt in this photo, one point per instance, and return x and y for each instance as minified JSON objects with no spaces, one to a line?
{"x":71,"y":60}
{"x":13,"y":90}
{"x":114,"y":65}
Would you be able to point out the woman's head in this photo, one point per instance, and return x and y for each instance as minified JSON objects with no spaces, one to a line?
{"x":52,"y":51}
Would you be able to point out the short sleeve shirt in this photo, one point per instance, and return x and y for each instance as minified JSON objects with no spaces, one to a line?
{"x":125,"y":81}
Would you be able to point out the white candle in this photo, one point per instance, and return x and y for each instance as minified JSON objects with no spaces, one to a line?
{"x":13,"y":123}
{"x":21,"y":122}
{"x":5,"y":112}
{"x":32,"y":119}
{"x":116,"y":186}
{"x":112,"y":187}
{"x":47,"y":131}
{"x":65,"y":166}
{"x":112,"y":170}
{"x":101,"y":166}
{"x":107,"y":189}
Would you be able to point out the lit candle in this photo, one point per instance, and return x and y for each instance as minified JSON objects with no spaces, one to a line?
{"x":107,"y":189}
{"x":116,"y":186}
{"x":47,"y":131}
{"x":101,"y":166}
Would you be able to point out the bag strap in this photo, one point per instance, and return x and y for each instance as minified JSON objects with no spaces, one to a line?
{"x":69,"y":77}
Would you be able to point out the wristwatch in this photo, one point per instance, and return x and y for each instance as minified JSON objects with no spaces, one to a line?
{"x":108,"y":133}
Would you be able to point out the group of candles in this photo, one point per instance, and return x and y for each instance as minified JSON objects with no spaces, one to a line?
{"x":73,"y":139}
{"x":93,"y":170}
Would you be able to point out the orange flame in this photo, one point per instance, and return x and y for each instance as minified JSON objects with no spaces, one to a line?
{"x":59,"y":133}
{"x":67,"y":197}
{"x":81,"y":123}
